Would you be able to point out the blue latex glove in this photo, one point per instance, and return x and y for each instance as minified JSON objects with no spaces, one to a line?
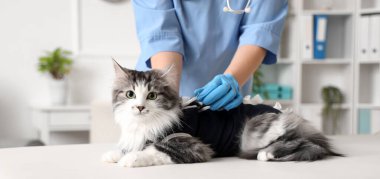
{"x":222,"y":92}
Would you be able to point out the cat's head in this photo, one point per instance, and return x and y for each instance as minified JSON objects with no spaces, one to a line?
{"x":148,"y":97}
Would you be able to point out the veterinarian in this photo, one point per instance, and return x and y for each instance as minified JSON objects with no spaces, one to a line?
{"x":215,"y":45}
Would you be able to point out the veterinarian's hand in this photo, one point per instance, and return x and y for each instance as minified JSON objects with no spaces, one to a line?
{"x":220,"y":93}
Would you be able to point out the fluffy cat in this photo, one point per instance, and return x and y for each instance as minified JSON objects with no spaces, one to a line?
{"x":158,"y":128}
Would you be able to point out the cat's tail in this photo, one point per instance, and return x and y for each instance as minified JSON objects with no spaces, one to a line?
{"x":307,"y":151}
{"x":324,"y":142}
{"x":332,"y":153}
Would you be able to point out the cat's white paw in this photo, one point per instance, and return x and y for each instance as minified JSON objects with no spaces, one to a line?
{"x":148,"y":157}
{"x":270,"y":156}
{"x":112,"y":156}
{"x":264,"y":156}
{"x":134,"y":159}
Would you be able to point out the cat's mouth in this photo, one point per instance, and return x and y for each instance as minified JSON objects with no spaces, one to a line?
{"x":141,"y":113}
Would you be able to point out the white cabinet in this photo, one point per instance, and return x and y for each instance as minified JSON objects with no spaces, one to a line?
{"x":48,"y":119}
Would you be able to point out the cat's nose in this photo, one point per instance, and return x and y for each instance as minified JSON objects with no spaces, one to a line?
{"x":140,"y":108}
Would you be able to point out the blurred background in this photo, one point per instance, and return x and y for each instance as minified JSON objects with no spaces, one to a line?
{"x":93,"y":30}
{"x":56,"y":71}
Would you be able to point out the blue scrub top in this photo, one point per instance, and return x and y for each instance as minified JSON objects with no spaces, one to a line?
{"x":206,"y":36}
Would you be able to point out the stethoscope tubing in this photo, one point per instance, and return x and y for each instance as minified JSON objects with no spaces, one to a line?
{"x":246,"y":9}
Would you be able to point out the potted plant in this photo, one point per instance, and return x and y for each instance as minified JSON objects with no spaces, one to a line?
{"x":58,"y":64}
{"x":333,"y":99}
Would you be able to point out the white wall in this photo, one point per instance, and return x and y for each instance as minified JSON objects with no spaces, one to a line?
{"x":30,"y":27}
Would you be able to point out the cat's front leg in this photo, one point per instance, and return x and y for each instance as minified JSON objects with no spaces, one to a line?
{"x":112,"y":156}
{"x":148,"y":157}
{"x":173,"y":149}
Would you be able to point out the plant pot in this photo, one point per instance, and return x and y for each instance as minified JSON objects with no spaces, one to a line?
{"x":58,"y":91}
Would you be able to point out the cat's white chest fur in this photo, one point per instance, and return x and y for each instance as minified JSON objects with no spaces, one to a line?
{"x":136,"y":130}
{"x":134,"y":137}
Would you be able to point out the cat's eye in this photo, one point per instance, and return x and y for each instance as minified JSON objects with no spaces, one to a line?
{"x":130,"y":94}
{"x":152,"y":96}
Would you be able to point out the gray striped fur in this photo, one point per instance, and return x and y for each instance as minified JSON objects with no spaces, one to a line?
{"x":184,"y":149}
{"x":298,"y":141}
{"x":268,"y":137}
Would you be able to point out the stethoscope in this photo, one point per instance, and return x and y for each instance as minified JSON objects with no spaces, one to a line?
{"x":228,"y":8}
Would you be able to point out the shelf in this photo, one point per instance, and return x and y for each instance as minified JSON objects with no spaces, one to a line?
{"x":285,"y":61}
{"x":65,"y":128}
{"x":344,"y":106}
{"x":369,"y":7}
{"x":281,"y":101}
{"x":368,"y":106}
{"x":370,"y":11}
{"x":328,"y":12}
{"x":328,"y":61}
{"x":357,"y":77}
{"x":329,"y":6}
{"x":61,"y":108}
{"x":368,"y":61}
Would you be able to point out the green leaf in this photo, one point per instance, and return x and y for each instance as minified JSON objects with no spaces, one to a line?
{"x":57,"y":62}
{"x":332,"y":96}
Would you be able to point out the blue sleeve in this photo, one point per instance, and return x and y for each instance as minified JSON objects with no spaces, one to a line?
{"x":158,"y":28}
{"x":263,"y":26}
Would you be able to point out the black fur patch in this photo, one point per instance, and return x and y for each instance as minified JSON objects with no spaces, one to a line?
{"x":185,"y":150}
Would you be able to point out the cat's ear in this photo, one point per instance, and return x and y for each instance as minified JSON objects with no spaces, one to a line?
{"x":119,"y":70}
